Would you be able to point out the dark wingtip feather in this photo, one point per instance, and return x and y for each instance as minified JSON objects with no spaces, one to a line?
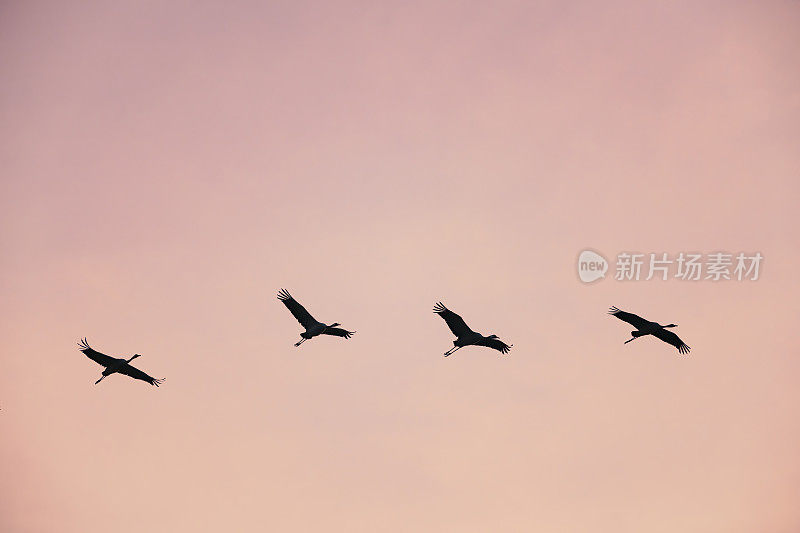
{"x":283,"y":295}
{"x":613,"y":310}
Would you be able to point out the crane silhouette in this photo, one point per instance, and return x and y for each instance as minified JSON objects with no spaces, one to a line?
{"x":467,"y":337}
{"x":116,"y":366}
{"x":645,"y":327}
{"x":313,"y":326}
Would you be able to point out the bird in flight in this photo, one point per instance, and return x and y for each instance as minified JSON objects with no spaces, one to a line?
{"x":645,"y":327}
{"x":116,"y":366}
{"x":313,"y":326}
{"x":467,"y":337}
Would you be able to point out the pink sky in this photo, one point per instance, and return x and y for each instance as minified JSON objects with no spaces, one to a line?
{"x":168,"y":166}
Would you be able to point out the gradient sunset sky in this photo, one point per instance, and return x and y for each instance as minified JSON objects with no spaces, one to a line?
{"x":168,"y":166}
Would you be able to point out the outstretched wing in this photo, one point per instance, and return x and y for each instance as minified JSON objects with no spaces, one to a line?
{"x":497,"y":344}
{"x":135,"y":373}
{"x":671,"y":338}
{"x":635,"y":320}
{"x":299,"y":312}
{"x":339,"y":332}
{"x":94,"y":355}
{"x":454,"y":322}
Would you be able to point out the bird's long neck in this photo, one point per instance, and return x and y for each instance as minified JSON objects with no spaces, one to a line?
{"x":132,"y":358}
